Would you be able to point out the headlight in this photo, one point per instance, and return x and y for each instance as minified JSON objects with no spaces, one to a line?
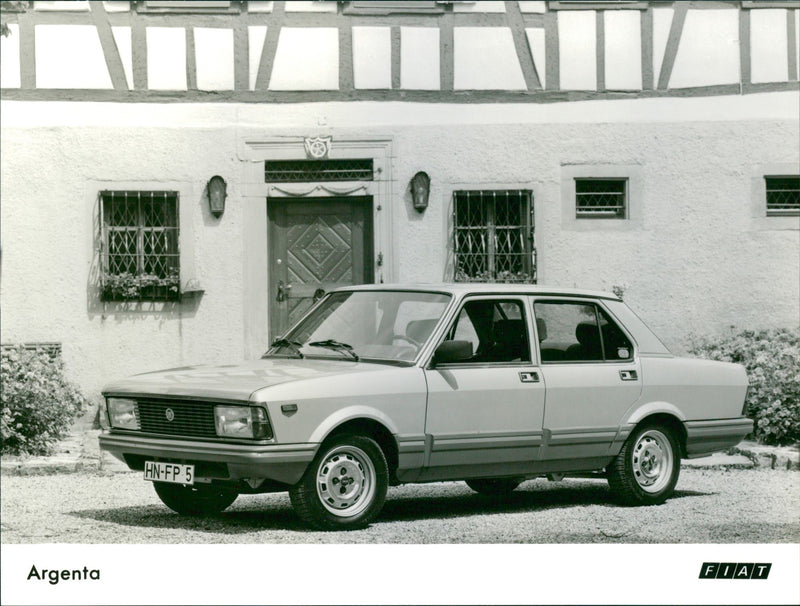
{"x":122,"y":413}
{"x":102,"y":415}
{"x":242,"y":422}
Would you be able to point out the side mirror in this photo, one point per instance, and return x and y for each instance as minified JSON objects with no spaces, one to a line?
{"x":452,"y":351}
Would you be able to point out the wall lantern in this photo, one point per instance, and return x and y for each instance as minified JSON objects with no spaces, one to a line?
{"x":420,"y":189}
{"x":217,"y":192}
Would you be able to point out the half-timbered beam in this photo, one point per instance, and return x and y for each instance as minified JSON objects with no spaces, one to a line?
{"x":110,"y":50}
{"x":673,"y":41}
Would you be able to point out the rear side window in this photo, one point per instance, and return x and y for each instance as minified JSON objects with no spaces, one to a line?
{"x":579,"y":332}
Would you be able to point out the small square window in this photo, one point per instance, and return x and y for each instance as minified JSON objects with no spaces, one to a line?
{"x":601,"y":198}
{"x":783,"y":196}
{"x":141,"y":259}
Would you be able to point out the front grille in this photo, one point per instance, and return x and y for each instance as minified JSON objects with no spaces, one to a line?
{"x":191,"y":419}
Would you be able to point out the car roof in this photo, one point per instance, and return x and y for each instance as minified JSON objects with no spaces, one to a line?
{"x":463,"y":288}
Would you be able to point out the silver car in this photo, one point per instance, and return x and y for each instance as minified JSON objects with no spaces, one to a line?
{"x":382,"y":385}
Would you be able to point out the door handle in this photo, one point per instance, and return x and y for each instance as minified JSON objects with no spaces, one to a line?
{"x":529,"y":376}
{"x":628,"y":375}
{"x":283,"y":291}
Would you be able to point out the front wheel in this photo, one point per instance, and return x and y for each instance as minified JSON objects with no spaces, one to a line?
{"x":345,"y":486}
{"x":646,"y":470}
{"x":194,"y":500}
{"x":494,"y":487}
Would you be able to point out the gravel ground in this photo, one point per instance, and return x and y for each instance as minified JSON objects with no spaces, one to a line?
{"x":710,"y":506}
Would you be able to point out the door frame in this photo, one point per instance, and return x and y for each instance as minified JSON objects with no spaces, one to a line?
{"x":472,"y":451}
{"x":254,"y":148}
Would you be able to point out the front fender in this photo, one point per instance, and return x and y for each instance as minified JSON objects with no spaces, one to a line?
{"x":351,"y":413}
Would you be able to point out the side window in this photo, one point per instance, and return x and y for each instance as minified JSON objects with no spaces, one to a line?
{"x":496,"y":329}
{"x":579,"y":332}
{"x":615,"y":344}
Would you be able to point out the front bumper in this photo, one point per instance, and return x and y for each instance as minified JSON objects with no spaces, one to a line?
{"x":706,"y":437}
{"x":284,"y":463}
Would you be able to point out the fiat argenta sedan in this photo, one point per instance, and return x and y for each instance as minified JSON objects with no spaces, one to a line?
{"x":383,"y":385}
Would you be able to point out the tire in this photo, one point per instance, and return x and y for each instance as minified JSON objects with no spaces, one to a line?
{"x":494,"y":487}
{"x":323,"y":501}
{"x":197,"y":500}
{"x":646,"y":469}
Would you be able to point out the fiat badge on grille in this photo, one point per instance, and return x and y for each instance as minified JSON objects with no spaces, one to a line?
{"x":170,"y":414}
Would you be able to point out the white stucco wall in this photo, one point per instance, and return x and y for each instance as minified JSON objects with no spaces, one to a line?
{"x":166,"y":58}
{"x":307,"y":58}
{"x":698,"y":259}
{"x":60,"y":47}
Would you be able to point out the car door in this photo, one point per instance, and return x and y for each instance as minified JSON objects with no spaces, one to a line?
{"x":484,"y":414}
{"x":592,"y":373}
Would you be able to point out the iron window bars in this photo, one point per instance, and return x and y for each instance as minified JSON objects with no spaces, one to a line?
{"x":493,"y":236}
{"x":600,"y":198}
{"x":783,"y":196}
{"x":299,"y":171}
{"x":141,"y":259}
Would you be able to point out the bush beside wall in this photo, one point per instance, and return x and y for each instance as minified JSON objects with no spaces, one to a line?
{"x":39,"y":404}
{"x":772,"y":360}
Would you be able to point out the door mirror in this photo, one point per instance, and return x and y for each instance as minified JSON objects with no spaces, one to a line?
{"x":452,"y":351}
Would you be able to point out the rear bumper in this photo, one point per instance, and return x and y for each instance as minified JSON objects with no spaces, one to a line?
{"x":705,"y":437}
{"x":284,"y":463}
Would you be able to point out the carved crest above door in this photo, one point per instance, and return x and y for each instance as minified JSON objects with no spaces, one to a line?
{"x":317,"y":148}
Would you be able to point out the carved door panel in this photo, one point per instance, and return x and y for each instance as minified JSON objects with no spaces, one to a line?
{"x":315,"y":245}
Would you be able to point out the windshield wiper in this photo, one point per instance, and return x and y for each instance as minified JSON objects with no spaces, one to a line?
{"x":336,"y":345}
{"x":294,"y":345}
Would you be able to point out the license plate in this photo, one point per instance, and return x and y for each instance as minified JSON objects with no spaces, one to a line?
{"x":174,"y":473}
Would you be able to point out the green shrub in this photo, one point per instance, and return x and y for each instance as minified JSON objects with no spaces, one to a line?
{"x":38,"y":403}
{"x":772,"y":360}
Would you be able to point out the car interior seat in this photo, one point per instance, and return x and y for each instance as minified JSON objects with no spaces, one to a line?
{"x":420,"y":330}
{"x":510,"y":342}
{"x":588,"y":346}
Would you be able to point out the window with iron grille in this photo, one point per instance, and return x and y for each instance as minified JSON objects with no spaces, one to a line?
{"x":601,"y":198}
{"x":493,"y":236}
{"x":298,"y":171}
{"x":783,"y":196}
{"x":141,"y":260}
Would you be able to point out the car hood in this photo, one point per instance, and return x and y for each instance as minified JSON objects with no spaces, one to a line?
{"x":234,"y":381}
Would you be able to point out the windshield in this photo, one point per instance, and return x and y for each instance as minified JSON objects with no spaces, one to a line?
{"x":382,"y":325}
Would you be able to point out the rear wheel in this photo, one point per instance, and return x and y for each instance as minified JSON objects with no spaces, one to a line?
{"x":494,"y":486}
{"x":196,"y":500}
{"x":345,"y":486}
{"x":646,"y":470}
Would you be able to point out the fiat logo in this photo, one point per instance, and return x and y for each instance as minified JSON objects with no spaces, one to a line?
{"x":170,"y":414}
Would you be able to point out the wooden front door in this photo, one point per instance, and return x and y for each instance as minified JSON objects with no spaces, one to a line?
{"x":315,"y":244}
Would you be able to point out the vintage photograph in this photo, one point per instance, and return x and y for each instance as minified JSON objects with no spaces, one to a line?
{"x":401,"y":273}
